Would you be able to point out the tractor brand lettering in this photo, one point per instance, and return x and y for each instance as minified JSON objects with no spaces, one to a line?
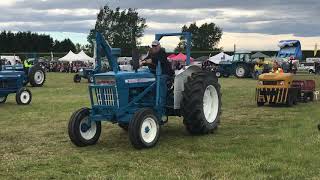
{"x":141,"y":80}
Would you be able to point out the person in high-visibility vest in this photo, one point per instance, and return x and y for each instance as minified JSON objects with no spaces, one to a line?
{"x":276,"y":68}
{"x":27,"y":65}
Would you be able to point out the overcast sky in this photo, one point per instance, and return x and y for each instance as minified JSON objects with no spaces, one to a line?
{"x":251,"y":24}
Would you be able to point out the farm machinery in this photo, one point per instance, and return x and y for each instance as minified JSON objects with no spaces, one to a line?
{"x":280,"y":88}
{"x":140,"y":101}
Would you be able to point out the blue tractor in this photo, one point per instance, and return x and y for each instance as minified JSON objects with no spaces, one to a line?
{"x":13,"y":82}
{"x":35,"y":74}
{"x":141,"y":101}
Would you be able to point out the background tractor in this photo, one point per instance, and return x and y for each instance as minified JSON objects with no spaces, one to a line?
{"x":280,"y":88}
{"x":141,"y":101}
{"x":35,"y":75}
{"x":13,"y":82}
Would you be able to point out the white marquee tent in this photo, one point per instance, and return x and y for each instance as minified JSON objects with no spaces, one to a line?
{"x":70,"y":57}
{"x":220,"y":57}
{"x":82,"y":56}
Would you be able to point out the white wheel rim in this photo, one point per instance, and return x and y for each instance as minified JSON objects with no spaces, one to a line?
{"x":2,"y":99}
{"x":88,"y":133}
{"x":218,"y":74}
{"x":240,"y":71}
{"x":25,"y":97}
{"x":39,"y":77}
{"x":149,"y":130}
{"x":91,"y":79}
{"x":210,"y":103}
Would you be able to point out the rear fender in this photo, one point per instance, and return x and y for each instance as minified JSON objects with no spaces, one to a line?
{"x":181,"y":77}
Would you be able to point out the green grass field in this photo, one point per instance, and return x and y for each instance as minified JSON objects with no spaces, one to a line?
{"x":251,"y":142}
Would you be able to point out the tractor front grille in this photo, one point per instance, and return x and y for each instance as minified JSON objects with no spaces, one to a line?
{"x":104,"y":95}
{"x":8,"y":83}
{"x":271,"y":95}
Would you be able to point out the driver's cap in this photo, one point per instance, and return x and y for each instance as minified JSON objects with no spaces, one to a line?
{"x":155,"y":43}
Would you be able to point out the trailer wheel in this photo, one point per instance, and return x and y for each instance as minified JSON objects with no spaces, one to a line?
{"x":259,"y":104}
{"x":241,"y":71}
{"x":144,"y":129}
{"x":23,"y":96}
{"x":201,"y":103}
{"x":3,"y":99}
{"x":290,"y":101}
{"x":37,"y":76}
{"x":311,"y":96}
{"x":125,"y":127}
{"x":76,"y":78}
{"x":81,"y":133}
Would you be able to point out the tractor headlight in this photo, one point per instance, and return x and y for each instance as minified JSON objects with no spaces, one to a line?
{"x":260,"y":82}
{"x":281,"y":83}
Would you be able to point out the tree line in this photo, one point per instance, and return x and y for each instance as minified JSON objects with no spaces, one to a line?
{"x":122,"y":28}
{"x":11,"y":42}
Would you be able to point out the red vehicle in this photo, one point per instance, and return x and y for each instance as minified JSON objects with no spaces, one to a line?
{"x":305,"y":89}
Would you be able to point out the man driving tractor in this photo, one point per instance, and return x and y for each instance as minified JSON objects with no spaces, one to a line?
{"x":276,"y":68}
{"x":156,"y":53}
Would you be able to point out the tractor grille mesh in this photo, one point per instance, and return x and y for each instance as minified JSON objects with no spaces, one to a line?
{"x":8,"y":84}
{"x":106,"y":96}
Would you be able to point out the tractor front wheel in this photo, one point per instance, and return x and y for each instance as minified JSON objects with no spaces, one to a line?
{"x":76,"y":78}
{"x":144,"y":129}
{"x":201,"y":103}
{"x":83,"y":132}
{"x":23,"y":96}
{"x":3,"y":99}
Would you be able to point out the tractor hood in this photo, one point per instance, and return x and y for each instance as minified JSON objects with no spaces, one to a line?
{"x":275,"y":77}
{"x":4,"y":74}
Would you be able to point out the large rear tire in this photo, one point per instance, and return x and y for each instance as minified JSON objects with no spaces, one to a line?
{"x":81,"y":133}
{"x":144,"y":129}
{"x":37,"y":76}
{"x":201,"y":103}
{"x":241,"y":71}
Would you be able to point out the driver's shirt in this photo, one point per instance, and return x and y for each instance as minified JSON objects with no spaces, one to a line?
{"x":165,"y":64}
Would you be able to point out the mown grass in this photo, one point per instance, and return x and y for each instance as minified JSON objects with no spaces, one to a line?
{"x":251,"y":142}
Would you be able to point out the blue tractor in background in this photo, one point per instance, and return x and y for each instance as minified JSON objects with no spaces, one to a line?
{"x":13,"y":82}
{"x":140,"y":101}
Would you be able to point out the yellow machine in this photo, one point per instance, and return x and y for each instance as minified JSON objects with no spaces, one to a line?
{"x":276,"y":88}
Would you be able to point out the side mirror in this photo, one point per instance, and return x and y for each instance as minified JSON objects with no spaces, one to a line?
{"x":135,"y":59}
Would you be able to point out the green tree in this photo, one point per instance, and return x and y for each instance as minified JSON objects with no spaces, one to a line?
{"x":204,"y":38}
{"x":121,"y":28}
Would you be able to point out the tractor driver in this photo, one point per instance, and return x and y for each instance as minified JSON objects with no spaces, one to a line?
{"x":276,"y":68}
{"x":27,"y":65}
{"x":156,"y":53}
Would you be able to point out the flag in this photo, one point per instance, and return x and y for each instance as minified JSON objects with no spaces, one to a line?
{"x":315,"y":50}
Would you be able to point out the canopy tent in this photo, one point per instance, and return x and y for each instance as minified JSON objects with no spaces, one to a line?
{"x":171,"y":56}
{"x":181,"y":57}
{"x":259,"y":55}
{"x":70,"y":57}
{"x":82,"y":56}
{"x":220,"y":57}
